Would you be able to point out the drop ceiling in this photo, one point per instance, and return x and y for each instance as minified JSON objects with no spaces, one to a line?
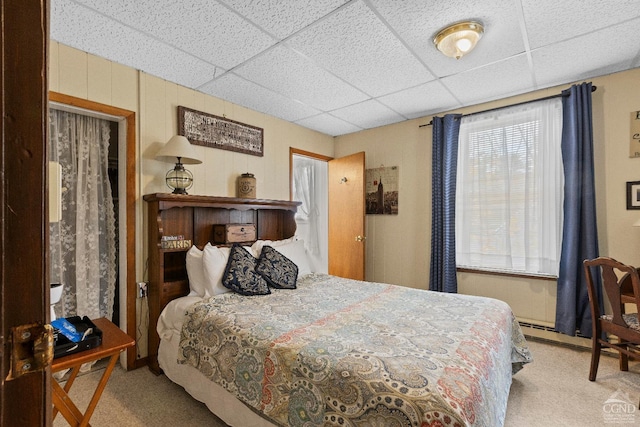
{"x":339,"y":66}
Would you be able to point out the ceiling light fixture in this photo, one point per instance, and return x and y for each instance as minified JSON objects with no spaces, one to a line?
{"x":458,"y":39}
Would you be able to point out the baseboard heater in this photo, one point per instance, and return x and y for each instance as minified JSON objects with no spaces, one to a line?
{"x":546,"y":328}
{"x":548,"y":333}
{"x":536,"y":326}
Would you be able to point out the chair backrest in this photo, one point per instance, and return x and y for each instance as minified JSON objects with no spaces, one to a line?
{"x":614,"y":275}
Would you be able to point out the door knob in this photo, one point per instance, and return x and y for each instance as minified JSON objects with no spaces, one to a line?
{"x":361,"y":238}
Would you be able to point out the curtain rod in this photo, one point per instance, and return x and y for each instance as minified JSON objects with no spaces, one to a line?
{"x":593,"y":89}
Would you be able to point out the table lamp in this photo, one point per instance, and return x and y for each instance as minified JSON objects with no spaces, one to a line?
{"x":179,"y":178}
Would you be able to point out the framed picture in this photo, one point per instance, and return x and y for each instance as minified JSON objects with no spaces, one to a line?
{"x":382,"y":190}
{"x":219,"y":132}
{"x":633,"y":195}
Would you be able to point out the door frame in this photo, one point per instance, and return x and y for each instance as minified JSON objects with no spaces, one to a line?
{"x":24,"y":219}
{"x":320,"y":261}
{"x":130,"y":200}
{"x":298,"y":152}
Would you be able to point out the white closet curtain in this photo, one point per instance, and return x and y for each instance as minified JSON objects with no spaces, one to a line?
{"x":304,"y":189}
{"x":83,"y":248}
{"x":510,"y":189}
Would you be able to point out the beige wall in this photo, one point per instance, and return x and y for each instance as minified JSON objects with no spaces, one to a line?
{"x":155,"y":101}
{"x":394,"y":242}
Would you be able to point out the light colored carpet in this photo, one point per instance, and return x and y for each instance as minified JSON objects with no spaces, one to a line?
{"x":553,"y":390}
{"x":138,"y":398}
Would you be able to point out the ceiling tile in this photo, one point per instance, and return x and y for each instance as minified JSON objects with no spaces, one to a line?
{"x":587,"y":56}
{"x":294,"y":76}
{"x":242,"y":92}
{"x":479,"y":85}
{"x":368,"y":114}
{"x":328,"y":124}
{"x":550,"y":21}
{"x":203,"y":28}
{"x":356,"y":46}
{"x":420,"y":101}
{"x":279,"y":18}
{"x":96,"y":34}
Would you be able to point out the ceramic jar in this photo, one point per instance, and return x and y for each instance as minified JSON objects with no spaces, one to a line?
{"x":247,"y":186}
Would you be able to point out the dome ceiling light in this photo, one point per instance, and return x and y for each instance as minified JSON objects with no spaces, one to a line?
{"x":458,"y":39}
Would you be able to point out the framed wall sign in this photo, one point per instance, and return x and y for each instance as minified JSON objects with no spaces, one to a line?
{"x":633,"y":195}
{"x":219,"y":132}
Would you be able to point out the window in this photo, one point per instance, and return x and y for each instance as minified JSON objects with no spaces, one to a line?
{"x":509,"y":190}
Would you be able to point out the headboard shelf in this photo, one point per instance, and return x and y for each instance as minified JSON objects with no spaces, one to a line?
{"x":193,"y":218}
{"x":170,"y":200}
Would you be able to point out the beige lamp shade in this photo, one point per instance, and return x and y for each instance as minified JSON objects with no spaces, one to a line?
{"x":178,"y":147}
{"x":637,"y":223}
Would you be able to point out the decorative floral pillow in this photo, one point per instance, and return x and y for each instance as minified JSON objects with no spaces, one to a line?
{"x":278,"y":270}
{"x":240,"y":275}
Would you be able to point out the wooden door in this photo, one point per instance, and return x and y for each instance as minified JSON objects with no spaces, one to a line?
{"x":24,"y":234}
{"x":346,"y":216}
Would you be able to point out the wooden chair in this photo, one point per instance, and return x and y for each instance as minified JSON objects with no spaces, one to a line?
{"x":624,"y":326}
{"x":626,"y":288}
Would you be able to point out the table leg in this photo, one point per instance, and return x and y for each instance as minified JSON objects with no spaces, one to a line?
{"x":65,"y":405}
{"x":74,"y":373}
{"x":67,"y":387}
{"x":101,"y":385}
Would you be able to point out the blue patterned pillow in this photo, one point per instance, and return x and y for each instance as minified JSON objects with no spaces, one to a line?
{"x":278,"y":270}
{"x":240,"y":275}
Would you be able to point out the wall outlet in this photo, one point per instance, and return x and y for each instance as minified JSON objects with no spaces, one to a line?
{"x":142,"y":289}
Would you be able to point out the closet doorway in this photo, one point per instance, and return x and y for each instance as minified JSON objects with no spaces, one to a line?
{"x":83,"y":148}
{"x":121,"y":173}
{"x":308,"y":184}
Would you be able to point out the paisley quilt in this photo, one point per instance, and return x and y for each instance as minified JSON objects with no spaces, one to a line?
{"x":339,"y":352}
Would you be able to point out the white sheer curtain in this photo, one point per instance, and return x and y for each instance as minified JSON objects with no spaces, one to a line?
{"x":304,"y":190}
{"x":83,"y":250}
{"x":310,"y":186}
{"x":510,"y":189}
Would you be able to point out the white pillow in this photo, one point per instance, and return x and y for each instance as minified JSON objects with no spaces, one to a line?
{"x":256,"y":248}
{"x":195,"y":272}
{"x":214,"y":261}
{"x":296,"y":252}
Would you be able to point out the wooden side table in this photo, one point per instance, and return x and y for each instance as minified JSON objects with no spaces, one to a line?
{"x":114,"y":340}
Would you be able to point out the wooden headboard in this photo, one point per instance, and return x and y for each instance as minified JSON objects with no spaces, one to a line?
{"x":194,"y":218}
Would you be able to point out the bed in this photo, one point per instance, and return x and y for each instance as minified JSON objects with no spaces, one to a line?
{"x":338,"y":352}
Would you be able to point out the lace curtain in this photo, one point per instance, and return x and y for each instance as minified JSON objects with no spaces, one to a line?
{"x":82,"y":244}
